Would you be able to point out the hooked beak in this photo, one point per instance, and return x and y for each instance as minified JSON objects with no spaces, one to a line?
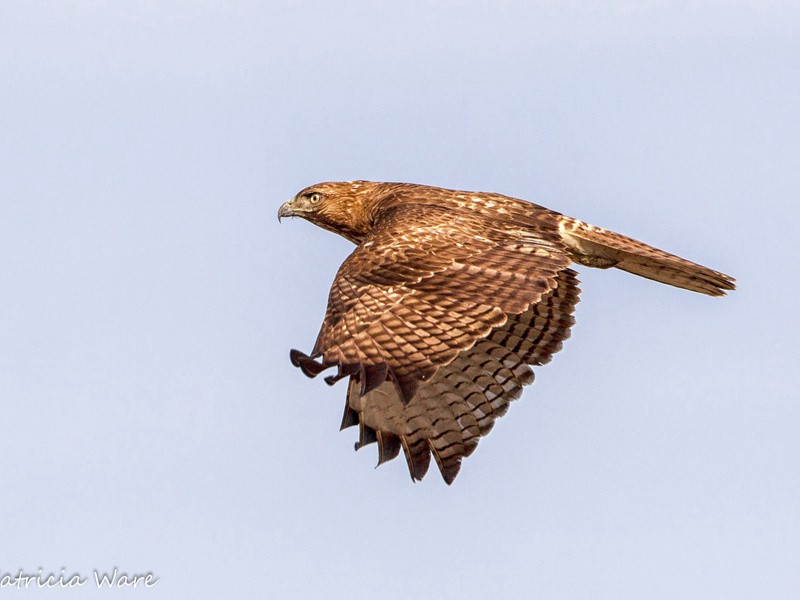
{"x":296,"y":207}
{"x":286,"y":210}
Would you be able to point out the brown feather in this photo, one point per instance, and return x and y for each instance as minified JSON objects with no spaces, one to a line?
{"x":591,"y":245}
{"x":447,"y":300}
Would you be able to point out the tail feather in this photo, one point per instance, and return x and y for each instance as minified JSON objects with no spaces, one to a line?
{"x":597,"y":247}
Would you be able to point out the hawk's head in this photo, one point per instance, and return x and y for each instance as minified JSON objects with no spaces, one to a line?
{"x":341,"y":207}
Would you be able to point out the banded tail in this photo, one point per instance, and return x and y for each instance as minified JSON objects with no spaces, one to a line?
{"x":597,"y":247}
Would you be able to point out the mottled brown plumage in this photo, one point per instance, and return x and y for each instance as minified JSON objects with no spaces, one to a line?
{"x":447,"y":300}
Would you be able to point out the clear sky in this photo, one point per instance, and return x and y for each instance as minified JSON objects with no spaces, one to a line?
{"x":151,"y":419}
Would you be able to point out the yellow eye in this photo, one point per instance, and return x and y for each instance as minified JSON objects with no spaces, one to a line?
{"x":315,"y":197}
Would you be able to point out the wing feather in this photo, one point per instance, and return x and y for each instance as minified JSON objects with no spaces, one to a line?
{"x":449,"y":413}
{"x":406,"y":297}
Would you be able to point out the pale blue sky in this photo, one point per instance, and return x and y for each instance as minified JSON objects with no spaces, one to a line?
{"x":151,"y":418}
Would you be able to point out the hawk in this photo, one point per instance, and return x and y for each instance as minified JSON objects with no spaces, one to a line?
{"x":447,"y":301}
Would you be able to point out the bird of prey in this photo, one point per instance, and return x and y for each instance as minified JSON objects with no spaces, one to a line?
{"x":447,"y":301}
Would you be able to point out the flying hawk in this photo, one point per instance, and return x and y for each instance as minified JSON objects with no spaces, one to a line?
{"x":446,"y":302}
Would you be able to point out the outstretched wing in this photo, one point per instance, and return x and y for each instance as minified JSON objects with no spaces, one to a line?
{"x":461,"y":402}
{"x":425,"y":285}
